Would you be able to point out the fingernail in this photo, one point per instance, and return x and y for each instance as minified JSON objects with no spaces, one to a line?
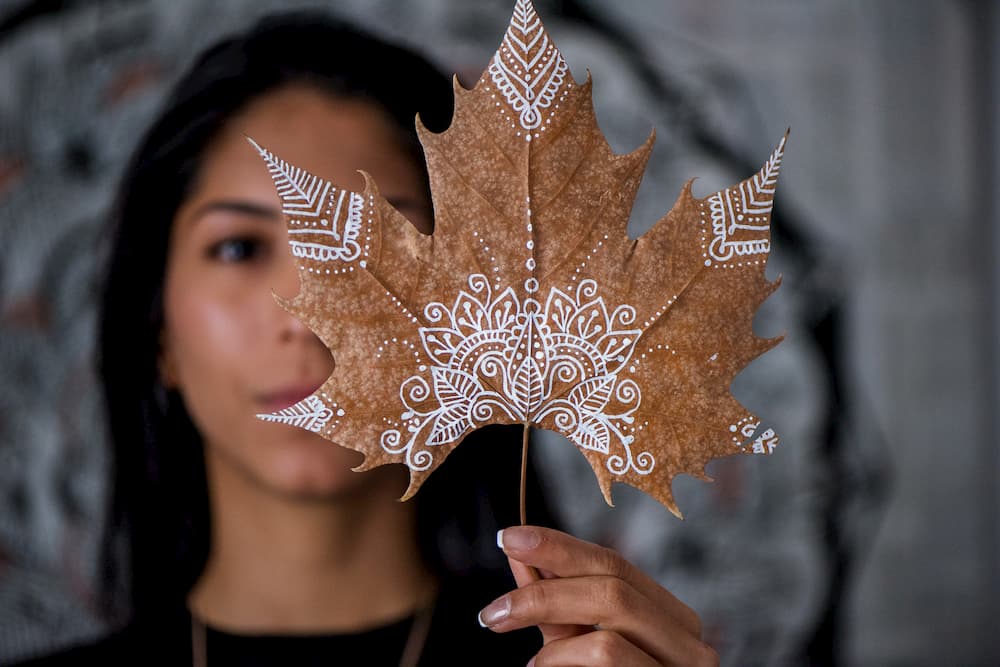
{"x":495,"y":612}
{"x":518,"y":539}
{"x":531,"y":663}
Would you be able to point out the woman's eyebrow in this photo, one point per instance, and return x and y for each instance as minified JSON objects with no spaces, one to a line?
{"x":259,"y":211}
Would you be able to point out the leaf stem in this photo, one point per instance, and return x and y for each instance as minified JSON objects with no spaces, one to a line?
{"x":524,"y":470}
{"x":532,"y":571}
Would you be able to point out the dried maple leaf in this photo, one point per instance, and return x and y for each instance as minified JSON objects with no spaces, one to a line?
{"x":529,"y":303}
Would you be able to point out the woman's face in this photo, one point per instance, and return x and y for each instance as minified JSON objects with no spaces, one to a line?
{"x":226,"y":346}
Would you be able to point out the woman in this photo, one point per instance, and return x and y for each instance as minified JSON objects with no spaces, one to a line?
{"x":255,"y":543}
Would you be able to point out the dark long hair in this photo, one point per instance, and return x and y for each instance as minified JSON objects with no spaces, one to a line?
{"x":159,"y":505}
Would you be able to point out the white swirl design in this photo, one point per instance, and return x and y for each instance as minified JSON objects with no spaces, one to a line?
{"x":519,"y":360}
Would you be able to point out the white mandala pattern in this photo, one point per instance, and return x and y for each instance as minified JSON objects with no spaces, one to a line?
{"x":743,"y":433}
{"x":310,"y":414}
{"x":325,"y":221}
{"x":528,"y":69}
{"x":765,"y":442}
{"x":746,"y":207}
{"x":498,"y":354}
{"x":528,"y":338}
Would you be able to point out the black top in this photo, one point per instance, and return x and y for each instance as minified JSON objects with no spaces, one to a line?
{"x":455,"y":637}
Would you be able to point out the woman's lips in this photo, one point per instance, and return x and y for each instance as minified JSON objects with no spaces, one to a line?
{"x":286,"y":397}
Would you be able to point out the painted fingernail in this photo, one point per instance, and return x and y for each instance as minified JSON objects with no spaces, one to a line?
{"x":518,"y":539}
{"x":495,"y":612}
{"x":500,"y":539}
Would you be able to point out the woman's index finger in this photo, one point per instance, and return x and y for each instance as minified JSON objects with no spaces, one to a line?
{"x":566,"y":556}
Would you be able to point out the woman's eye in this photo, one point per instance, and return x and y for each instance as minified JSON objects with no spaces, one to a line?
{"x":239,"y":249}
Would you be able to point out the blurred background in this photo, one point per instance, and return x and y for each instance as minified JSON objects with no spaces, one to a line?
{"x":870,"y":537}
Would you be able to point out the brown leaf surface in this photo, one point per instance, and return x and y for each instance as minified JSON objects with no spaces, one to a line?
{"x":530,"y":303}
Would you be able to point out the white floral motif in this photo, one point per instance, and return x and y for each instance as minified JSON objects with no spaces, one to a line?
{"x":327,"y":218}
{"x":310,"y":414}
{"x":745,"y":207}
{"x":348,"y":249}
{"x":765,"y":442}
{"x":500,"y":354}
{"x":528,"y":69}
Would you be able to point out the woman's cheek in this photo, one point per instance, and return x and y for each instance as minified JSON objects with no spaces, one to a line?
{"x":208,"y":335}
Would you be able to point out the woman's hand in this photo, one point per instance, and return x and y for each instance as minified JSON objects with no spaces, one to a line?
{"x":592,"y":606}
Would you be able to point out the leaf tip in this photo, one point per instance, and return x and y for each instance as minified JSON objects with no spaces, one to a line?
{"x":665,"y":496}
{"x":686,"y":195}
{"x":371,"y":187}
{"x":456,"y":85}
{"x":260,"y":149}
{"x":287,"y":304}
{"x":606,"y":492}
{"x":411,"y":490}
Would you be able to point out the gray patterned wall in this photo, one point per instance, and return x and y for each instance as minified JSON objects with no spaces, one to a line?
{"x":869,"y":538}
